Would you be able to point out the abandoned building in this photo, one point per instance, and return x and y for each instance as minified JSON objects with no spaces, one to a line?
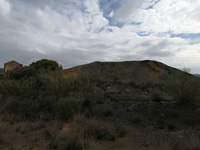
{"x":11,"y":66}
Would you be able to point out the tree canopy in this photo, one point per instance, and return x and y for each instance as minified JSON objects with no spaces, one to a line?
{"x":45,"y":64}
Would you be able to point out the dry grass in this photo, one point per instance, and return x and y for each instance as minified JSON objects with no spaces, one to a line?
{"x":153,"y":67}
{"x":70,"y":72}
{"x":3,"y":128}
{"x":83,"y":131}
{"x":92,"y":128}
{"x":160,"y":142}
{"x":28,"y":135}
{"x":88,"y":133}
{"x":192,"y":140}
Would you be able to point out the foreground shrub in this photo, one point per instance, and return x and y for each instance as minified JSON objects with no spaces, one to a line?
{"x":192,"y":139}
{"x":74,"y":142}
{"x":45,"y":107}
{"x":66,"y":108}
{"x":83,"y":130}
{"x":27,"y":87}
{"x":3,"y":127}
{"x":23,"y":73}
{"x":94,"y":129}
{"x":28,"y":108}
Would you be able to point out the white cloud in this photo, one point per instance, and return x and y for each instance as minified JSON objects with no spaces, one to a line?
{"x":4,"y":7}
{"x":178,"y":16}
{"x":111,"y":14}
{"x":76,"y":32}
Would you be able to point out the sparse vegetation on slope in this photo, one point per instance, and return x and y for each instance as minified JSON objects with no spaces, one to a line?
{"x":48,"y":104}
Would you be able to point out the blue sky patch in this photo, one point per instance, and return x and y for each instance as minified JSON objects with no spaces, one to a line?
{"x":135,"y":23}
{"x":186,"y":35}
{"x":143,"y":33}
{"x":154,"y":2}
{"x":107,"y":6}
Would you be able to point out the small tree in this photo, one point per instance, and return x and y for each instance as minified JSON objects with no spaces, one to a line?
{"x":45,"y":64}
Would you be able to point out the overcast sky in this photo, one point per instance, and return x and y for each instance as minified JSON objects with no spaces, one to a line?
{"x":75,"y":32}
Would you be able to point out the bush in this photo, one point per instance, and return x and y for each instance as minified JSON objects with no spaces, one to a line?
{"x":66,"y":108}
{"x":74,"y":143}
{"x":1,"y":76}
{"x":24,"y":72}
{"x":24,"y":87}
{"x":99,"y":130}
{"x":79,"y":87}
{"x":3,"y":127}
{"x":184,"y":87}
{"x":45,"y":65}
{"x":156,"y":96}
{"x":28,"y":108}
{"x":53,"y":145}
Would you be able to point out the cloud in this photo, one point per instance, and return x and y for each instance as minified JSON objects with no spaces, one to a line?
{"x":4,"y":7}
{"x":169,"y":16}
{"x":127,"y":9}
{"x":75,"y":32}
{"x":160,"y":49}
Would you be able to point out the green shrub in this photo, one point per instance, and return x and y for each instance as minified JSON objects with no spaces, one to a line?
{"x":184,"y":87}
{"x":1,"y":76}
{"x":53,"y":145}
{"x":28,"y":108}
{"x":79,"y":87}
{"x":45,"y":64}
{"x":172,"y":127}
{"x":96,"y":94}
{"x":66,"y":108}
{"x":9,"y":87}
{"x":156,"y":96}
{"x":25,"y":87}
{"x":24,"y":72}
{"x":3,"y":128}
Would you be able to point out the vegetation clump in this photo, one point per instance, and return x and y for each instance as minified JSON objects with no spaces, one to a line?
{"x":184,"y":87}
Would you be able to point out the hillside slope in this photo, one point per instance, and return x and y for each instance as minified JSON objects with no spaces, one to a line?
{"x":132,"y":79}
{"x":128,"y":72}
{"x":139,"y":72}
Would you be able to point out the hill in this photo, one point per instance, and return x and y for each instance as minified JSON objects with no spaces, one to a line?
{"x":138,"y":80}
{"x":139,"y":72}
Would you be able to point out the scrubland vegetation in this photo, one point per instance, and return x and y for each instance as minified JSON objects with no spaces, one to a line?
{"x":50,"y":109}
